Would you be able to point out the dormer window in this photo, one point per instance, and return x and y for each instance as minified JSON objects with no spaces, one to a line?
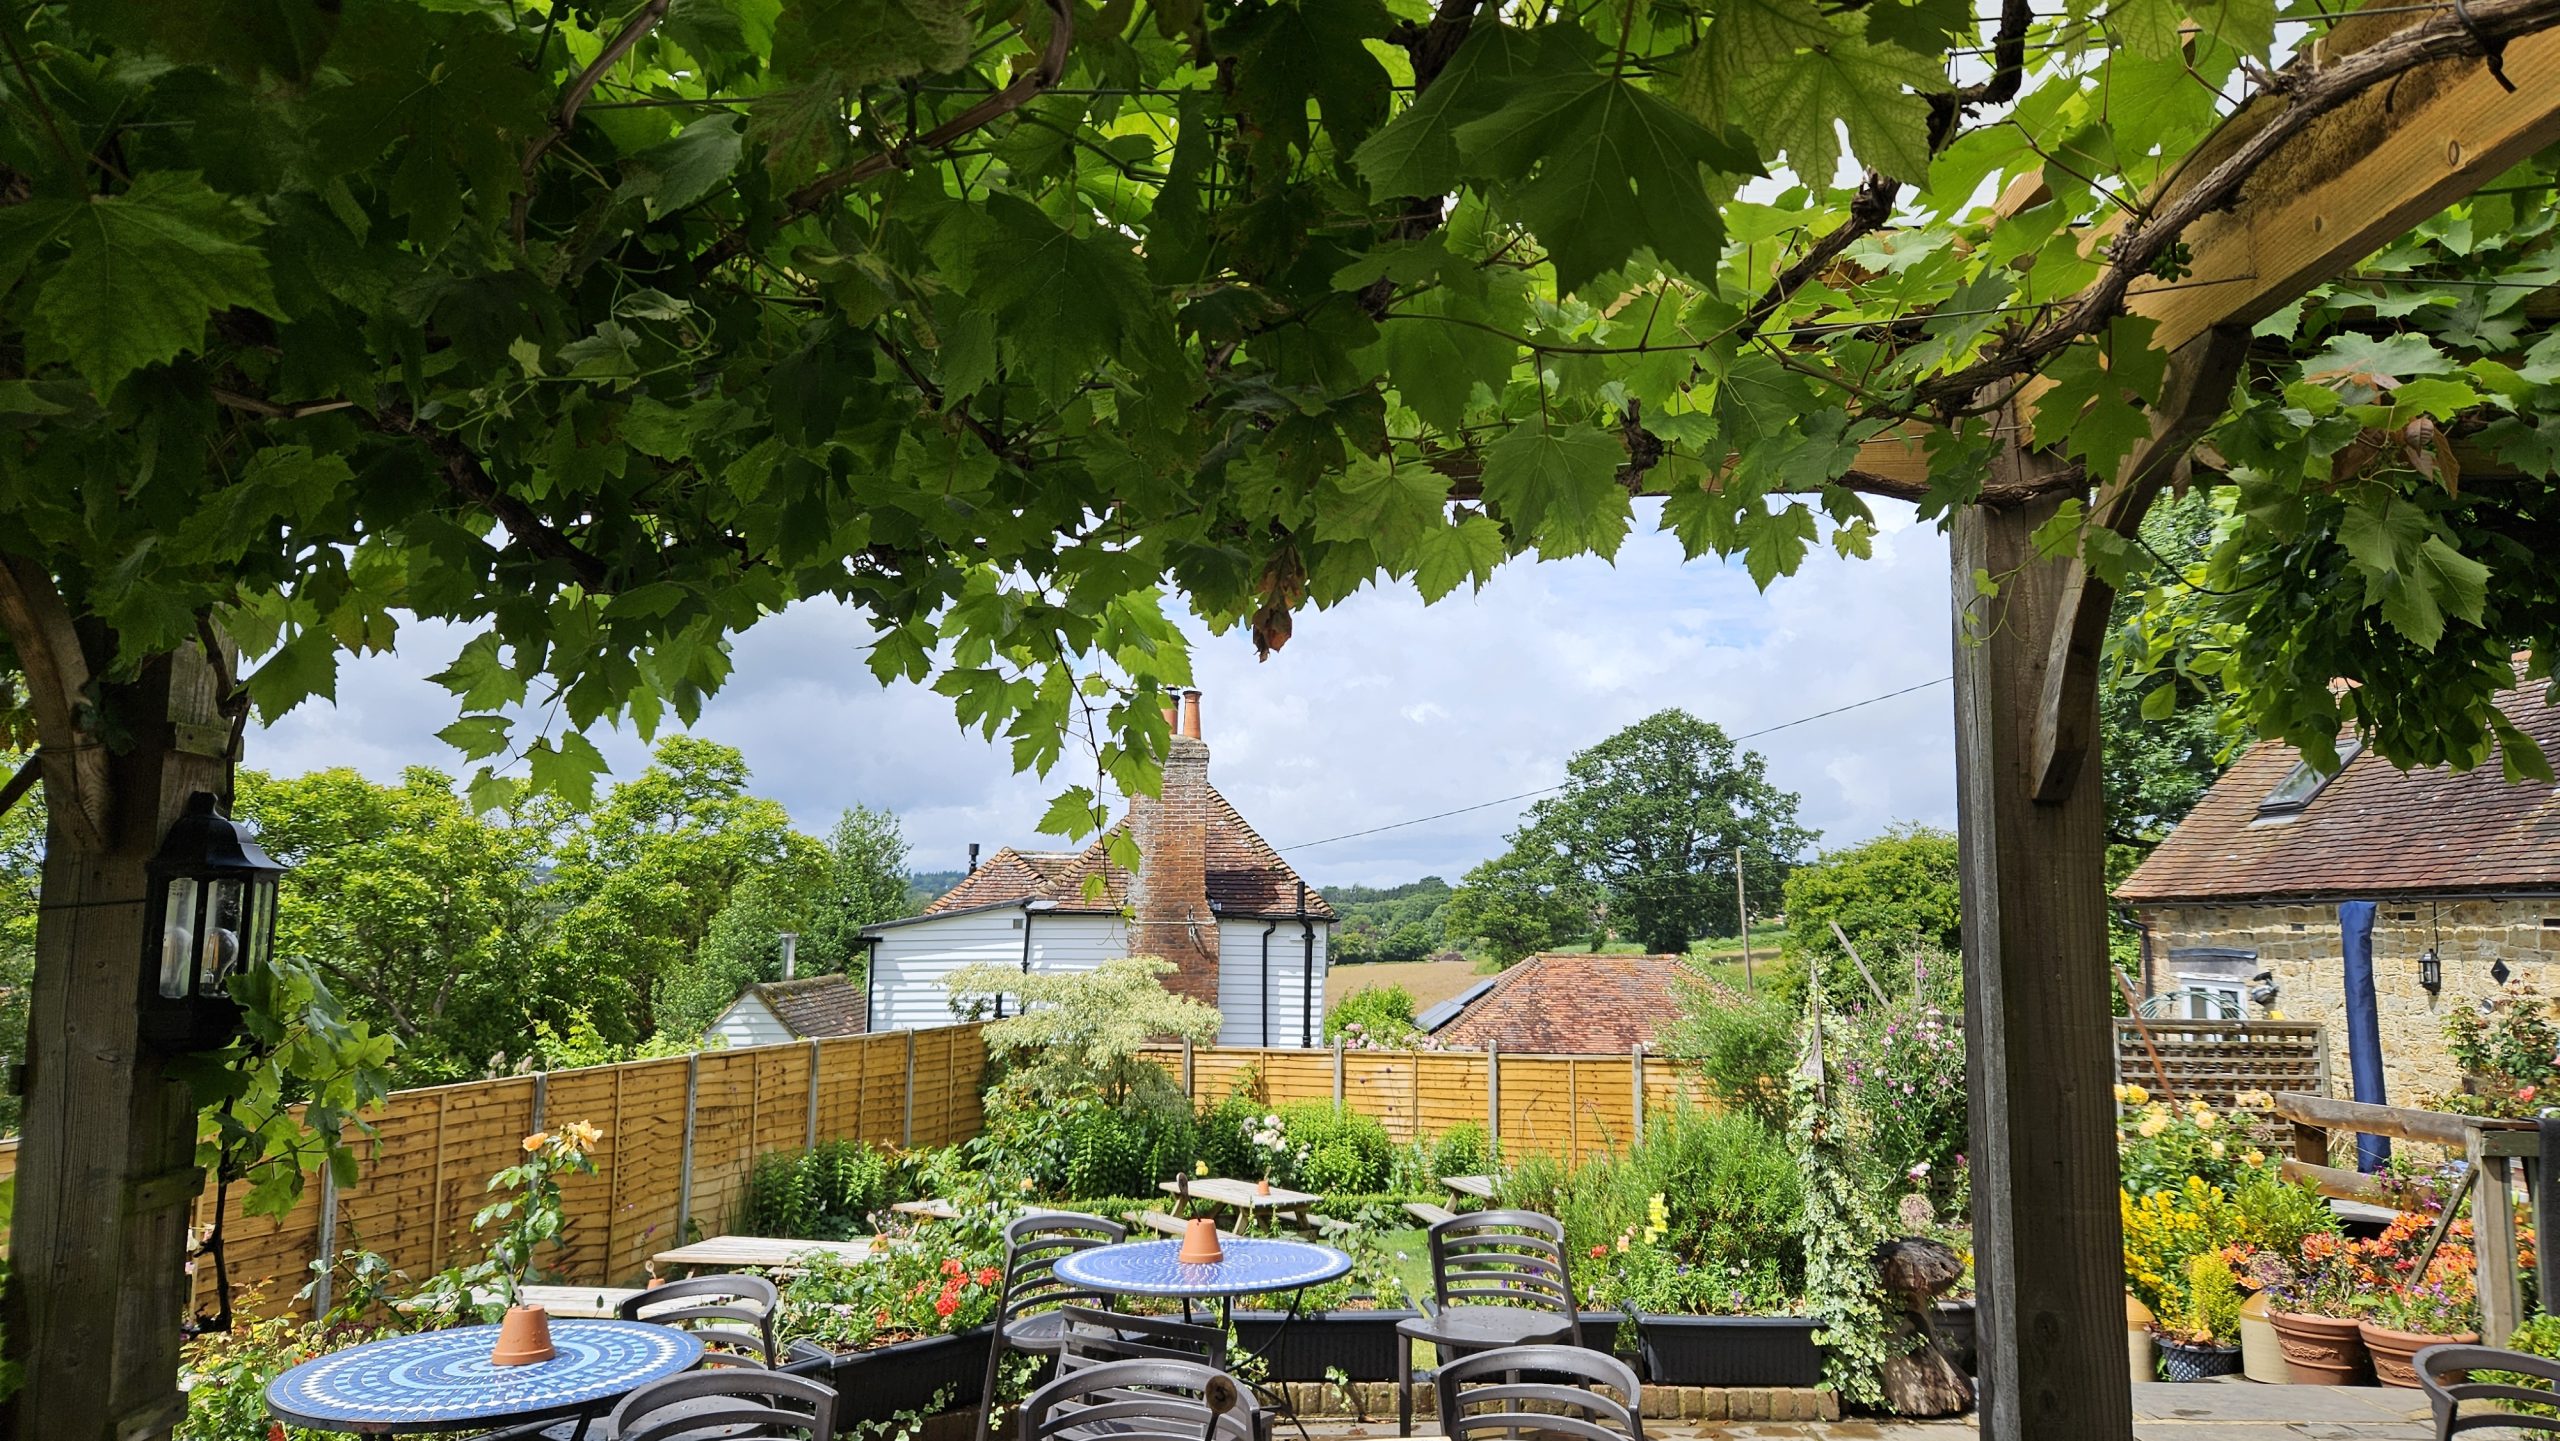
{"x":2304,"y":782}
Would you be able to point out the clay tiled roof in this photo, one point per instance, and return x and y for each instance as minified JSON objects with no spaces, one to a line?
{"x":1246,"y":877}
{"x":817,"y":1007}
{"x":1566,"y":1003}
{"x":2374,"y":831}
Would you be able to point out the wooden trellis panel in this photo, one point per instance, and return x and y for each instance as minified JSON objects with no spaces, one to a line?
{"x":2216,"y":1060}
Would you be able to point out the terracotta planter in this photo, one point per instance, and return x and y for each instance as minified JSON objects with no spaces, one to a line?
{"x":2182,"y":1362}
{"x":524,"y":1337}
{"x":1200,"y":1243}
{"x":2320,"y":1350}
{"x":2393,"y":1351}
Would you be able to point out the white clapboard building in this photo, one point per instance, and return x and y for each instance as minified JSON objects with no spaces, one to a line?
{"x":1245,"y":934}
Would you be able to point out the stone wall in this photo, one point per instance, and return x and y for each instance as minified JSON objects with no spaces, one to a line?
{"x":2300,"y":944}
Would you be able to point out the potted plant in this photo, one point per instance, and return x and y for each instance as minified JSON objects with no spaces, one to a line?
{"x":1695,"y":1323}
{"x":2199,"y":1338}
{"x":2443,"y":1308}
{"x":908,"y":1328}
{"x":2314,"y":1300}
{"x":529,"y":1216}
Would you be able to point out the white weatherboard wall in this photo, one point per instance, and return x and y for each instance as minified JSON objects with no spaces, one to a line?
{"x":749,"y":1022}
{"x":911,"y":962}
{"x":1244,"y":991}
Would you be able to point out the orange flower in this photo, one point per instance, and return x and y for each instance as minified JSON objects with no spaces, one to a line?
{"x":537,"y":1141}
{"x":987,"y":1275}
{"x":951,"y":1266}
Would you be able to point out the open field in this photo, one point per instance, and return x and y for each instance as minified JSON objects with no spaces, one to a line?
{"x":1431,"y":982}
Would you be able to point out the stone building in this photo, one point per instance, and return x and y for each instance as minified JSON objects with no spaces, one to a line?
{"x":2239,"y":906}
{"x":1244,"y":933}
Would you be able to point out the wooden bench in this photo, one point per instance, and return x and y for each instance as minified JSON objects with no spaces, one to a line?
{"x":1428,"y":1214}
{"x":1479,"y":1187}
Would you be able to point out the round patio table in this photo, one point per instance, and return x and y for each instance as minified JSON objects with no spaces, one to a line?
{"x":1251,"y":1267}
{"x":444,"y":1381}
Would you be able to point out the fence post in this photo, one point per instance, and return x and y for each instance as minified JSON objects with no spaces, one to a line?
{"x":1635,"y":1081}
{"x":1186,"y":1068}
{"x":1337,"y":1073}
{"x":811,"y":1143}
{"x":1493,"y":1102}
{"x":326,"y":1242}
{"x":684,"y":1172}
{"x":908,"y":1133}
{"x":541,"y":1098}
{"x":2493,"y":1216}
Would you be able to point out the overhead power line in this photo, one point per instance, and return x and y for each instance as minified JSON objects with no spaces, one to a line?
{"x":1549,"y":790}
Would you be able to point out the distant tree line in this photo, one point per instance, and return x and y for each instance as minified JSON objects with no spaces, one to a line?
{"x":487,"y":941}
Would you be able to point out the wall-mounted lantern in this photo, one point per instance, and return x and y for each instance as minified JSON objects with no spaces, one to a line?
{"x":2430,"y":971}
{"x":212,"y":916}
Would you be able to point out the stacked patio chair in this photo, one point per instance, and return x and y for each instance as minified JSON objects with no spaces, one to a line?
{"x":1095,"y":1338}
{"x":739,"y":1310}
{"x":1483,"y":1394}
{"x":1142,"y":1401}
{"x":2445,"y":1374}
{"x":727,"y":1403}
{"x":1498,"y":1279}
{"x":1027,"y":1309}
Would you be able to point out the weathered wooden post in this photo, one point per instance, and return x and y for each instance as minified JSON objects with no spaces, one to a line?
{"x":2050,"y":1292}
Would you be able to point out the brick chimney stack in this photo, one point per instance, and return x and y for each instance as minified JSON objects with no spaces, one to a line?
{"x":1169,"y":912}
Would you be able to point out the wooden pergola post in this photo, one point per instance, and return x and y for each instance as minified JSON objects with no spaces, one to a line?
{"x":2048,"y":1267}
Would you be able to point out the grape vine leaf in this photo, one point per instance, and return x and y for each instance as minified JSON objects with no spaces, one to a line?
{"x":1559,"y":487}
{"x":1790,"y":100}
{"x":1606,"y":168}
{"x":144,"y":271}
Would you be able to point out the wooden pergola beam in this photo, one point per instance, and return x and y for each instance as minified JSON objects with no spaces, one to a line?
{"x":2355,"y":180}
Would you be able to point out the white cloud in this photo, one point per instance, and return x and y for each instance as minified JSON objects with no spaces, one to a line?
{"x":1380,"y":710}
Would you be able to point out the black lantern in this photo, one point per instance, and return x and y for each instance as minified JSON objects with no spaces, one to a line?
{"x":2430,"y":971}
{"x":212,"y":915}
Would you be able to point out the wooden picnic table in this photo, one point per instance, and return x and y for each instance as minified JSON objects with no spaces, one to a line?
{"x":1248,"y":1197}
{"x":932,"y":1208}
{"x":583,"y":1303}
{"x":763,"y":1253}
{"x":1480,"y":1187}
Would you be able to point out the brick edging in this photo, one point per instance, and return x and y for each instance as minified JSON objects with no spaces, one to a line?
{"x":1372,"y":1400}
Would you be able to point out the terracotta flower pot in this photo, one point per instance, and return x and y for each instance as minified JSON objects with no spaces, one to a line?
{"x":1200,"y":1243}
{"x":524,"y":1337}
{"x":2319,"y":1350}
{"x":2394,"y":1352}
{"x":1262,"y":1187}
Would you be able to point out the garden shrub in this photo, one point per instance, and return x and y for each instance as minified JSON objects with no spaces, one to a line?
{"x":824,"y":1194}
{"x":1334,"y":1148}
{"x":1743,"y":1046}
{"x":1461,"y":1151}
{"x":1732,"y":1189}
{"x":1380,"y":1017}
{"x":1222,"y":1132}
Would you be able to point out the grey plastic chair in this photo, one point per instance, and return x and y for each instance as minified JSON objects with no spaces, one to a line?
{"x":1498,"y":1279}
{"x":1142,"y":1401}
{"x":1484,"y":1393}
{"x":739,"y":1308}
{"x":2444,"y":1374}
{"x":730,"y":1403}
{"x":1027,"y":1309}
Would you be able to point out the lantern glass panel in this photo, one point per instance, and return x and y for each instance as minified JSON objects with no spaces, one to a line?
{"x":221,"y":949}
{"x":259,"y":939}
{"x":177,"y":939}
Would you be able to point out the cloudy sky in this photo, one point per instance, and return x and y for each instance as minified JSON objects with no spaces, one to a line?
{"x":1381,"y":710}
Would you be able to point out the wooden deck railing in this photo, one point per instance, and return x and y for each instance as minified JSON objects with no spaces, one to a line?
{"x":2494,"y":1152}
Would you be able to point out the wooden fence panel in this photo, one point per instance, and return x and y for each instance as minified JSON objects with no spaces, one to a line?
{"x":728,"y":1107}
{"x":1449,"y":1091}
{"x":2216,"y":1060}
{"x":648,"y":1168}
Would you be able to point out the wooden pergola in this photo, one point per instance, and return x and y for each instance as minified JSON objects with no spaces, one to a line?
{"x":2387,"y":120}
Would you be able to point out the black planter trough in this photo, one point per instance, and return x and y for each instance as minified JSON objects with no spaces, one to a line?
{"x":1360,"y":1344}
{"x":907,"y":1375}
{"x":1731,"y":1350}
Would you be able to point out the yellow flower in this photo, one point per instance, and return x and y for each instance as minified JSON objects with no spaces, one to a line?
{"x":2153,"y":1125}
{"x":2132,"y":1095}
{"x":2254,"y":1156}
{"x":1200,"y":1168}
{"x":2207,"y":1120}
{"x":2217,"y":1150}
{"x":586,"y":1133}
{"x":537,"y":1141}
{"x":2197,"y":1104}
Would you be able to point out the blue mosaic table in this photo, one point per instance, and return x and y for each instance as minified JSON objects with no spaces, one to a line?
{"x":444,"y":1381}
{"x":1252,"y":1267}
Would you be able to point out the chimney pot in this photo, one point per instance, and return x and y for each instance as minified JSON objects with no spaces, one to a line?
{"x":790,"y":954}
{"x":973,"y":858}
{"x":1191,"y":714}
